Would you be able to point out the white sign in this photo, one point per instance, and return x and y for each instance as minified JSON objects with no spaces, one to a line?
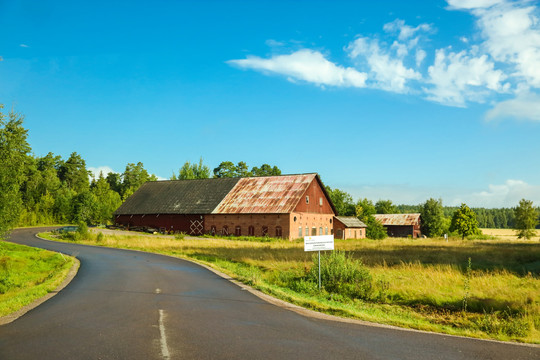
{"x":319,"y":243}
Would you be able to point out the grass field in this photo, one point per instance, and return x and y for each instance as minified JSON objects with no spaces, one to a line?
{"x":27,"y":274}
{"x":424,"y":284}
{"x":507,"y":234}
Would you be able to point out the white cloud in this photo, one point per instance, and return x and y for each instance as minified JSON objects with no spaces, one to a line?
{"x":305,"y":65}
{"x":512,"y":34}
{"x":525,"y":106}
{"x":420,"y":56}
{"x":101,"y":169}
{"x":23,"y":45}
{"x":458,"y":78}
{"x":511,"y":37}
{"x":503,"y":58}
{"x":472,"y":4}
{"x":386,"y":71}
{"x":504,"y":195}
{"x":404,"y":31}
{"x":274,"y":43}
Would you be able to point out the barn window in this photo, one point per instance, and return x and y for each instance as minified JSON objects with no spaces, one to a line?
{"x":326,"y":230}
{"x":251,"y":231}
{"x":314,"y":231}
{"x":320,"y":231}
{"x":307,"y":199}
{"x":278,"y":231}
{"x":238,"y":231}
{"x":355,"y":234}
{"x":300,"y":232}
{"x":265,"y":231}
{"x":225,"y":230}
{"x":307,"y":231}
{"x":320,"y":201}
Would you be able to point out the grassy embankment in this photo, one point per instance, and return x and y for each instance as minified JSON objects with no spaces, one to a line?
{"x":27,"y":274}
{"x":423,"y":284}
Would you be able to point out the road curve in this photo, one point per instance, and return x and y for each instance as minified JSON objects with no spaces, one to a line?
{"x":131,"y":305}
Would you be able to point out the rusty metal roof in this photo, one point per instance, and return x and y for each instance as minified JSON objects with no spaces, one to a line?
{"x":398,"y":219}
{"x":269,"y":194}
{"x":351,"y":221}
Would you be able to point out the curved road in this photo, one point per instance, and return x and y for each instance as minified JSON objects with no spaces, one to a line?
{"x":130,"y":305}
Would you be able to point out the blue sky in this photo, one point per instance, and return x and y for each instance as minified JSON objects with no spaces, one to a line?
{"x":385,"y":100}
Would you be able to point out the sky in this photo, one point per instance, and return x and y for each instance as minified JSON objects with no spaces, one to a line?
{"x":399,"y":100}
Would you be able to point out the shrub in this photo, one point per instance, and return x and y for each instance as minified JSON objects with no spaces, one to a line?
{"x":100,"y":237}
{"x":341,"y":274}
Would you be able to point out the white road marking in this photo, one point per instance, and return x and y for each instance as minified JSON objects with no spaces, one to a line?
{"x":163,"y":337}
{"x":158,"y":291}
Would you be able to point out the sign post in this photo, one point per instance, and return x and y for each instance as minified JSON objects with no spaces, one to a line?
{"x":319,"y":243}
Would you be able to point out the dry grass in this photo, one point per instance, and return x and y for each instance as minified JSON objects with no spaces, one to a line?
{"x":507,"y":234}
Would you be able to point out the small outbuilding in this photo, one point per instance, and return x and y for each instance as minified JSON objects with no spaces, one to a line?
{"x":400,"y":225}
{"x":349,"y":227}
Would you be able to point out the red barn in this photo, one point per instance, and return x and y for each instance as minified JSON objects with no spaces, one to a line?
{"x":288,"y":206}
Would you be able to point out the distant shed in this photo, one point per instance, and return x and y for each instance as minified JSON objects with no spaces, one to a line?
{"x":401,"y":225}
{"x":349,"y":227}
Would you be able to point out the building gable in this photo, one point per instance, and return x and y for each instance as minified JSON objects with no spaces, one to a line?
{"x":265,"y":195}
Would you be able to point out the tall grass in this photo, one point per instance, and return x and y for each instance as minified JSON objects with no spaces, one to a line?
{"x":412,"y":283}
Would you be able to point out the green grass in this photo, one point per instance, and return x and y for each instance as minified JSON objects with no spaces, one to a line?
{"x":418,"y":284}
{"x":27,"y":274}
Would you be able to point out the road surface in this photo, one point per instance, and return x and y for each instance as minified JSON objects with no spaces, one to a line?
{"x":131,"y":305}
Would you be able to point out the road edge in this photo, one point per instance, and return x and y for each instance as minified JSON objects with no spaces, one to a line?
{"x":69,"y":277}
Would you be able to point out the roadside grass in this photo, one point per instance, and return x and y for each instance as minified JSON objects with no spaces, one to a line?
{"x":423,"y":284}
{"x":27,"y":274}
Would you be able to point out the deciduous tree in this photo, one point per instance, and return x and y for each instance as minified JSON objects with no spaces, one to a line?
{"x":133,"y":177}
{"x":526,"y":219}
{"x":385,"y":207}
{"x":464,"y":222}
{"x":343,"y":201}
{"x":265,"y":170}
{"x":433,"y":221}
{"x":365,"y":211}
{"x":194,"y":171}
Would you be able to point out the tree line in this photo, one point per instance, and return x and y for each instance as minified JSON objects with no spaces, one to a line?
{"x":44,"y":190}
{"x":438,"y":219}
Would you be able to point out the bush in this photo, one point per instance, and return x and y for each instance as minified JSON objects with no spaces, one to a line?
{"x":100,"y":237}
{"x":341,"y":274}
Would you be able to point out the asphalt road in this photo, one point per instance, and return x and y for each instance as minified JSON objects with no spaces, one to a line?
{"x":131,"y":305}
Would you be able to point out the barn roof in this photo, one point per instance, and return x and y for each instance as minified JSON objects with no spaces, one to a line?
{"x":351,"y":221}
{"x":269,"y":194}
{"x":199,"y":196}
{"x":398,"y":219}
{"x":253,"y":195}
